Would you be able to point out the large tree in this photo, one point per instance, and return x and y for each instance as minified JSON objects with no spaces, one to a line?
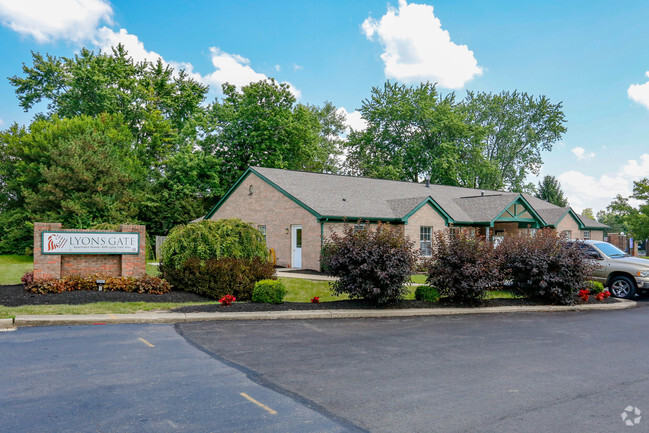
{"x":413,"y":134}
{"x":549,"y":189}
{"x":79,"y":171}
{"x":155,"y":101}
{"x":262,"y":125}
{"x":518,"y":127}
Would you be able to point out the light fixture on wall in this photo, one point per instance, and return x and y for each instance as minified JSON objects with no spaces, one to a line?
{"x":286,"y":230}
{"x":251,"y":190}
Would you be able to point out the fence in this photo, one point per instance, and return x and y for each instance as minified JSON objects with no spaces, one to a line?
{"x":159,"y":240}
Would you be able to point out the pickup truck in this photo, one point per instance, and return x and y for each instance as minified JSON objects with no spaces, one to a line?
{"x":623,"y":274}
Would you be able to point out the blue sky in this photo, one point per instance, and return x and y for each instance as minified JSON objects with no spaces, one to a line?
{"x":590,"y":55}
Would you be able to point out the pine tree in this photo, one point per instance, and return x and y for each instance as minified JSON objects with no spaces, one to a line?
{"x":550,"y":190}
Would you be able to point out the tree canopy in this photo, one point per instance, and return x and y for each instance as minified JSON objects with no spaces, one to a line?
{"x":549,"y":189}
{"x":490,"y":141}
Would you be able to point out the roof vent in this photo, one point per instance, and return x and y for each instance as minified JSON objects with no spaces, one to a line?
{"x":481,"y":193}
{"x":427,"y":183}
{"x":344,"y":199}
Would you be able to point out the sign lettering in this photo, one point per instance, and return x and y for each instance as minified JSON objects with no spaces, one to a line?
{"x":90,"y":243}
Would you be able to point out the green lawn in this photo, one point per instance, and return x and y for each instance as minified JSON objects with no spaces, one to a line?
{"x":13,"y":267}
{"x":95,"y":308}
{"x":418,"y":279}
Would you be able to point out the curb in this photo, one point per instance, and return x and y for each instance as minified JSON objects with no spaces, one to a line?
{"x":167,"y":317}
{"x":6,"y":324}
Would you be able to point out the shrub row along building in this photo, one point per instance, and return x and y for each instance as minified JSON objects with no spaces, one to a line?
{"x":296,"y":210}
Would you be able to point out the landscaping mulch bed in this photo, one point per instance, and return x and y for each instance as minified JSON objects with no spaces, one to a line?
{"x":15,"y":295}
{"x":357,"y":304}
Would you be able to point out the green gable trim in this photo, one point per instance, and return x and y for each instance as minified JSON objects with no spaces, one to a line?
{"x":434,"y":205}
{"x":262,"y":177}
{"x":575,"y":217}
{"x":354,"y":219}
{"x":520,"y":200}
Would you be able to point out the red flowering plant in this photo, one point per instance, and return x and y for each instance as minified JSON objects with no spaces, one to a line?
{"x":227,"y":300}
{"x":602,"y":295}
{"x":584,"y":294}
{"x":315,"y":300}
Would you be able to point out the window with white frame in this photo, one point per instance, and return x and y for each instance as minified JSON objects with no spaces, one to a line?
{"x":262,"y":230}
{"x":426,"y":240}
{"x":586,"y":235}
{"x":567,"y":234}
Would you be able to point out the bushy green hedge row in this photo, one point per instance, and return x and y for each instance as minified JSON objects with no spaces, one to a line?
{"x":216,"y":278}
{"x":231,"y":238}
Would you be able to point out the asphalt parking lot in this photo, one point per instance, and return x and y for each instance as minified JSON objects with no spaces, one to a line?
{"x":568,"y":372}
{"x":135,"y":378}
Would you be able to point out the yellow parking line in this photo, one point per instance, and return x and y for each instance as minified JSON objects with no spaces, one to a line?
{"x":261,"y":405}
{"x":146,"y":342}
{"x":113,"y":316}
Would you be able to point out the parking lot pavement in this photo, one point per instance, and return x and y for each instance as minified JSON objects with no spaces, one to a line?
{"x":567,"y":372}
{"x":135,"y":378}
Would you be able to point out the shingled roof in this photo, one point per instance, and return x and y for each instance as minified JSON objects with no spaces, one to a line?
{"x":338,"y":196}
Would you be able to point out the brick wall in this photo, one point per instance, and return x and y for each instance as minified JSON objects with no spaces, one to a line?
{"x":268,"y":207}
{"x":63,"y":265}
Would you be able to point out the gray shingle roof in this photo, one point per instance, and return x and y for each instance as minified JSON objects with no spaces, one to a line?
{"x":358,"y":197}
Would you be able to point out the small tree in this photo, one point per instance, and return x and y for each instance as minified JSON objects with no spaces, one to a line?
{"x":464,"y":267}
{"x":372,"y":263}
{"x":545,"y":266}
{"x":550,"y":190}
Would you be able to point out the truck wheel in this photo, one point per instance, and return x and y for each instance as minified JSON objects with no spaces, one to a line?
{"x":622,"y":287}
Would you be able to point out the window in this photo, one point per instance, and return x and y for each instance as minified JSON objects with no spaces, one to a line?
{"x":567,"y":234}
{"x":531,"y":232}
{"x":426,"y":240}
{"x":586,"y":235}
{"x":358,"y":227}
{"x":454,"y":232}
{"x":262,"y":230}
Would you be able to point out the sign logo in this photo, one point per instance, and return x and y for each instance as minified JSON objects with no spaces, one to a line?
{"x":631,"y":416}
{"x":55,"y":242}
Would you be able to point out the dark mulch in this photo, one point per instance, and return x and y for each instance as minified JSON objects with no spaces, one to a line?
{"x":13,"y":296}
{"x":356,"y":304}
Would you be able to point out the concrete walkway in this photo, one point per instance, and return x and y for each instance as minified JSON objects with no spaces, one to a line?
{"x":169,"y":317}
{"x":293,"y":273}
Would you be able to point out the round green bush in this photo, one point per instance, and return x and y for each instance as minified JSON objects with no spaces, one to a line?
{"x":595,"y":287}
{"x":426,"y":293}
{"x":231,"y":238}
{"x":269,"y":292}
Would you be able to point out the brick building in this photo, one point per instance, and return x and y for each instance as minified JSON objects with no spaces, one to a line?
{"x":296,"y":210}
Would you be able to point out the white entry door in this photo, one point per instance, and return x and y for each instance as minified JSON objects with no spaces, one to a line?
{"x":296,"y":246}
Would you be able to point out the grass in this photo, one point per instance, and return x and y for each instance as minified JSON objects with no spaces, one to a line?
{"x":418,"y":279}
{"x":94,"y":308}
{"x":13,"y":267}
{"x":299,"y":290}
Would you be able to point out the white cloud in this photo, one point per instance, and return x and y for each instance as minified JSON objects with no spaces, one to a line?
{"x":416,"y":48}
{"x":354,"y":119}
{"x":580,"y":153}
{"x":228,"y":68}
{"x":2,"y":122}
{"x":48,"y":20}
{"x":585,"y":190}
{"x":278,"y":68}
{"x":78,"y":21}
{"x":297,"y":67}
{"x":106,"y":38}
{"x":640,"y":92}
